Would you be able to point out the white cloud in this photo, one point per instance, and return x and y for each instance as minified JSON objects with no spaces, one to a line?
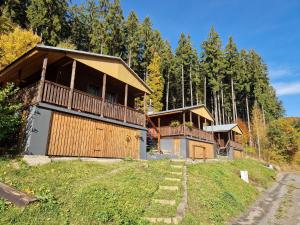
{"x":280,"y":72}
{"x":287,"y":88}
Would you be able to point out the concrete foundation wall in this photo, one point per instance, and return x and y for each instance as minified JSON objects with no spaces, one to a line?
{"x":37,"y":130}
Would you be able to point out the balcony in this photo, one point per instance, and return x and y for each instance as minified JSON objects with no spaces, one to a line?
{"x":181,"y":130}
{"x":58,"y":94}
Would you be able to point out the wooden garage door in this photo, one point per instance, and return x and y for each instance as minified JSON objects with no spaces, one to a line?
{"x":78,"y":136}
{"x":199,"y":150}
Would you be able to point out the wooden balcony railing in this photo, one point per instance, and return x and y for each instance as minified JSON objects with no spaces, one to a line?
{"x":58,"y":94}
{"x":236,"y":145}
{"x":181,"y":130}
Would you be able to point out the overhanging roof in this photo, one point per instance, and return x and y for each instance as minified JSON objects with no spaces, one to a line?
{"x":224,"y":128}
{"x":110,"y":65}
{"x":200,"y":110}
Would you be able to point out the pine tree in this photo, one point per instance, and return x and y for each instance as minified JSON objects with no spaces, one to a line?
{"x":48,"y":19}
{"x":156,"y":83}
{"x":212,"y":61}
{"x":231,"y":73}
{"x":16,"y":11}
{"x":114,"y":30}
{"x":146,"y":41}
{"x":132,"y":41}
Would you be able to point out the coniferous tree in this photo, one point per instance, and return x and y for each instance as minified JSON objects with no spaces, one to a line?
{"x":132,"y":41}
{"x":16,"y":11}
{"x":114,"y":30}
{"x":48,"y":19}
{"x":231,"y":73}
{"x":212,"y":61}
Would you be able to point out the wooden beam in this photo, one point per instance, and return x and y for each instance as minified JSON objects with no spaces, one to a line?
{"x":72,"y":85}
{"x":125,"y":102}
{"x":42,"y":80}
{"x":145,"y":108}
{"x":103,"y":93}
{"x":191,"y":116}
{"x":199,"y":126}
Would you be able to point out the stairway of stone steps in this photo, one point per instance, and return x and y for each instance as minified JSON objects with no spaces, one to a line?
{"x":169,"y":202}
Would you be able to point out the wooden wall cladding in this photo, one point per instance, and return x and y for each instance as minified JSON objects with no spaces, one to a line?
{"x":200,"y":150}
{"x":237,"y":154}
{"x":79,"y":136}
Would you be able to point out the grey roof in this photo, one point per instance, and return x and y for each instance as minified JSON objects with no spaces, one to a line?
{"x":220,"y":128}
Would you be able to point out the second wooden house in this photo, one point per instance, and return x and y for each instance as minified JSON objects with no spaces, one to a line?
{"x":180,"y":132}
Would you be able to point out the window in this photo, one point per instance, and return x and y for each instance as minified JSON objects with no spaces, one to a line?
{"x":93,"y":90}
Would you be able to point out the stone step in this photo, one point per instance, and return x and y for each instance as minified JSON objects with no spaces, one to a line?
{"x":177,"y":166}
{"x":172,"y":179}
{"x":167,"y":220}
{"x":165,"y":201}
{"x":176,"y":173}
{"x":169,"y":188}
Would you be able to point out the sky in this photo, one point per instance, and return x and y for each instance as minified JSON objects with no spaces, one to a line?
{"x":271,"y":27}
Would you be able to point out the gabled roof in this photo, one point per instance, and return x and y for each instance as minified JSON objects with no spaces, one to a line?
{"x":200,"y":110}
{"x":224,"y":128}
{"x":110,"y":65}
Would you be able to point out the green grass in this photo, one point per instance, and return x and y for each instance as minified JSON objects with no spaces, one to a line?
{"x":216,"y":194}
{"x":76,"y":192}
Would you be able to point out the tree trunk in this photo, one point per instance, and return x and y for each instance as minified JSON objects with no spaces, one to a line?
{"x":191,"y":87}
{"x":168,"y":89}
{"x":216,"y":107}
{"x":204,"y":94}
{"x":219,"y":108}
{"x":233,"y":100}
{"x":248,"y":118}
{"x":129,"y":58}
{"x":222,"y":102}
{"x":182,"y":85}
{"x":263,"y":113}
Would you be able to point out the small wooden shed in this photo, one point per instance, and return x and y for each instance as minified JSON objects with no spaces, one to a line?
{"x":227,"y":137}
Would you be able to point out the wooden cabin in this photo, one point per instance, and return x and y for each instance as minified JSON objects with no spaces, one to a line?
{"x":79,"y":103}
{"x":227,"y":137}
{"x":180,"y":132}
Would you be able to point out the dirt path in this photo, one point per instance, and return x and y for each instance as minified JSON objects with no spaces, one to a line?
{"x":279,"y":205}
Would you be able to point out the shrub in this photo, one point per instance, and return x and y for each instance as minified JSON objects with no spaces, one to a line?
{"x":175,"y":123}
{"x":189,"y":125}
{"x":10,"y":118}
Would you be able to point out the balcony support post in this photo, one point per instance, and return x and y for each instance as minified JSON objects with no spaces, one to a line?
{"x":145,"y":108}
{"x":125,"y":102}
{"x":42,"y":80}
{"x":72,"y":85}
{"x":103,"y":93}
{"x":199,"y":126}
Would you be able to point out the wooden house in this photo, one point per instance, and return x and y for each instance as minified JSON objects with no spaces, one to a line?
{"x":180,"y":132}
{"x":79,"y":103}
{"x":227,"y":137}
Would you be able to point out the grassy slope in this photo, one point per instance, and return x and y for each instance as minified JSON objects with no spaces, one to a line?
{"x":89,"y":193}
{"x":82,"y":193}
{"x":216,"y":194}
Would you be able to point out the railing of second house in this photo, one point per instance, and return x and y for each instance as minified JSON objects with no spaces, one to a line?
{"x":58,"y":94}
{"x":179,"y":130}
{"x":236,"y":145}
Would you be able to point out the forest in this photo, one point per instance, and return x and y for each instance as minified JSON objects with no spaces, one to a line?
{"x":231,"y":81}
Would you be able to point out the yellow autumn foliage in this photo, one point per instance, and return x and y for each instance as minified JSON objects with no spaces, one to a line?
{"x":16,"y":43}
